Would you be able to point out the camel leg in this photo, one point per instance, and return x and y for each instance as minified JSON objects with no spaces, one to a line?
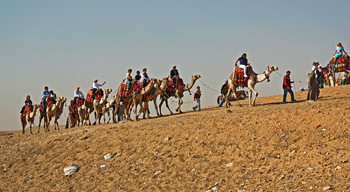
{"x":227,"y":96}
{"x":250,"y":96}
{"x":255,"y":93}
{"x":39,"y":124}
{"x":30,"y":128}
{"x":178,"y":109}
{"x":160,"y":106}
{"x":115,"y":111}
{"x":156,"y":107}
{"x":167,"y":105}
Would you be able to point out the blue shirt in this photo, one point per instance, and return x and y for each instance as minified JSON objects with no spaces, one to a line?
{"x":45,"y":93}
{"x":243,"y":61}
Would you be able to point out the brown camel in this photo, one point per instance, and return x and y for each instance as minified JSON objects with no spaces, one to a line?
{"x":29,"y":119}
{"x":138,"y":97}
{"x":253,"y":79}
{"x":152,"y":96}
{"x":99,"y":104}
{"x":178,"y":93}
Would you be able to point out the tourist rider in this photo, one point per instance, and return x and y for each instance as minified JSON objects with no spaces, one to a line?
{"x":287,"y":87}
{"x":144,"y":77}
{"x":174,"y":75}
{"x":96,"y":86}
{"x":45,"y":94}
{"x":137,"y":76}
{"x":243,"y":62}
{"x":129,"y":79}
{"x":53,"y":96}
{"x":78,"y":94}
{"x":339,"y":51}
{"x":27,"y":102}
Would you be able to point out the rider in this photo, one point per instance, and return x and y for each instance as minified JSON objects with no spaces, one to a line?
{"x":137,"y":76}
{"x":339,"y":51}
{"x":174,"y":75}
{"x":78,"y":94}
{"x":45,"y":94}
{"x":144,"y":77}
{"x":243,"y":61}
{"x":128,"y":79}
{"x":27,"y":102}
{"x":53,"y":96}
{"x":96,"y":86}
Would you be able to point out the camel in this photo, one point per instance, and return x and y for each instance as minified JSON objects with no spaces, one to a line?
{"x":253,"y":79}
{"x":99,"y":104}
{"x":138,"y":97}
{"x":82,"y":113}
{"x":127,"y":101}
{"x":178,"y":93}
{"x":58,"y":113}
{"x":161,"y":86}
{"x":51,"y":112}
{"x":42,"y":115}
{"x":29,"y":119}
{"x":105,"y":109}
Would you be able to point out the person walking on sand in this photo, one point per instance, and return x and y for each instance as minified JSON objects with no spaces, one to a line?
{"x":224,"y":90}
{"x":287,"y":87}
{"x":197,"y":97}
{"x":344,"y":77}
{"x":313,"y":90}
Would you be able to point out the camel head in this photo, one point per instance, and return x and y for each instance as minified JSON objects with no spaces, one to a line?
{"x":63,"y":100}
{"x":108,"y":91}
{"x":195,"y":77}
{"x":272,"y":68}
{"x":35,"y":107}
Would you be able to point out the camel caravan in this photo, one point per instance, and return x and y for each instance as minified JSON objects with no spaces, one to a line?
{"x":134,"y":95}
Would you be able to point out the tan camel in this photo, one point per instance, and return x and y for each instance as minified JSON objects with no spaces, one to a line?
{"x":82,"y":113}
{"x":99,"y":104}
{"x":152,"y":96}
{"x":105,"y":109}
{"x":29,"y":119}
{"x":51,"y":112}
{"x":137,"y":98}
{"x":58,"y":113}
{"x":178,"y":93}
{"x":253,"y":79}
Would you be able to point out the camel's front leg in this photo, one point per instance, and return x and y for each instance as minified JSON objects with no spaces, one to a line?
{"x":155,"y":106}
{"x":160,"y":106}
{"x":250,"y":97}
{"x":30,"y":127}
{"x":255,"y":93}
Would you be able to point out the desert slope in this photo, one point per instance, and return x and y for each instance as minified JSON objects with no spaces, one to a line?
{"x":273,"y":146}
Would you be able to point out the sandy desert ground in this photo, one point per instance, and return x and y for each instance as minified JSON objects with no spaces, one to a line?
{"x":298,"y":146}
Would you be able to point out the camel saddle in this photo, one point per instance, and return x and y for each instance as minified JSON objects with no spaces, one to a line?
{"x":238,"y":76}
{"x":90,"y":96}
{"x":79,"y":102}
{"x":175,"y":84}
{"x":49,"y":104}
{"x":341,"y":64}
{"x":28,"y":109}
{"x":134,"y":88}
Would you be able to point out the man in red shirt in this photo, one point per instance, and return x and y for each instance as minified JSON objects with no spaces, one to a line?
{"x":287,"y":87}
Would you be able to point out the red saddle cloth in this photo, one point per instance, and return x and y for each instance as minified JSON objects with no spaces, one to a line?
{"x":49,"y":104}
{"x":134,"y":88}
{"x":79,"y":102}
{"x":238,"y":76}
{"x":90,"y":96}
{"x":28,"y":110}
{"x":341,"y":62}
{"x":172,"y":87}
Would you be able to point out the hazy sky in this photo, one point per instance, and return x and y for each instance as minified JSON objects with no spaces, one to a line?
{"x":63,"y":44}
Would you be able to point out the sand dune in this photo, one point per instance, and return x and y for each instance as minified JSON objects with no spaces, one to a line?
{"x":273,"y":146}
